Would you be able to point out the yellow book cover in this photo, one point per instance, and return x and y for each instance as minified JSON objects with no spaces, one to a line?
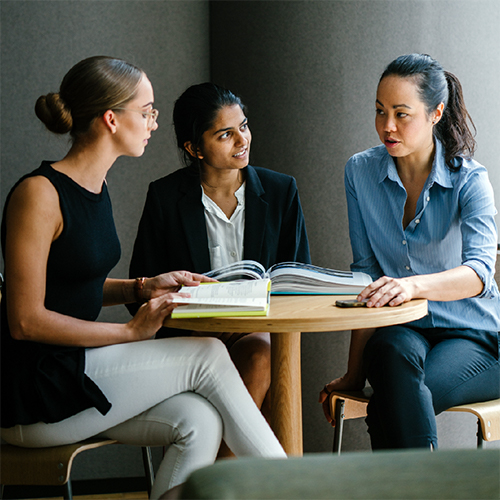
{"x":235,"y":298}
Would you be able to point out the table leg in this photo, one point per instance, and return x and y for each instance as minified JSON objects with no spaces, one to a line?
{"x":286,"y":391}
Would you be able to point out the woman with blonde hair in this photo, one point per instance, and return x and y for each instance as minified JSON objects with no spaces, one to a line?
{"x":67,"y":377}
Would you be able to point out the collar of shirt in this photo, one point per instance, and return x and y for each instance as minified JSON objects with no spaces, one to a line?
{"x":225,"y":236}
{"x":214,"y":209}
{"x":440,"y":173}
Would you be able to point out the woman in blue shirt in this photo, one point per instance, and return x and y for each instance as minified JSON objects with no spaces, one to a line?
{"x":421,"y":223}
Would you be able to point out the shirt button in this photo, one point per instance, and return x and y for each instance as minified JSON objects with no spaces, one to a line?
{"x":404,"y":242}
{"x":407,"y":268}
{"x":428,"y":198}
{"x":417,"y":221}
{"x":233,"y":254}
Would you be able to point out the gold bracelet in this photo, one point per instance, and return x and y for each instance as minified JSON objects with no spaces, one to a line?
{"x":139,"y":290}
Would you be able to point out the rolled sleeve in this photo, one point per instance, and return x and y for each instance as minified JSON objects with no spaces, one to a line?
{"x":479,"y":232}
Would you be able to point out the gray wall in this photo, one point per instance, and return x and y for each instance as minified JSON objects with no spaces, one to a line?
{"x":306,"y":70}
{"x":41,"y":40}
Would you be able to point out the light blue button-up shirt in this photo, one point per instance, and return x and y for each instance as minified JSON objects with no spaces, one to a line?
{"x":454,"y":224}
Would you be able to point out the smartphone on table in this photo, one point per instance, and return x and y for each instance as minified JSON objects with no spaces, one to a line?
{"x":351,"y":303}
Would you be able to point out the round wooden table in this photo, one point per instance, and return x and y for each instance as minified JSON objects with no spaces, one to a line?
{"x":289,"y":316}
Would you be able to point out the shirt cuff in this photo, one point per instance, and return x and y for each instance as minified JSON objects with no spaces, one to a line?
{"x":486,"y":276}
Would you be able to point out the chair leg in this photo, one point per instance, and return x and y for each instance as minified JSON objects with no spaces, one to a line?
{"x":479,"y":434}
{"x":339,"y":426}
{"x":68,"y":493}
{"x":148,"y":467}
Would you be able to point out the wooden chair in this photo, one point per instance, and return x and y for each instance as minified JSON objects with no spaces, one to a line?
{"x":352,"y":404}
{"x":52,"y":466}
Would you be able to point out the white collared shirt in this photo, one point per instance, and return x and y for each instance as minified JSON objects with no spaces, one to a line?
{"x":225,"y":236}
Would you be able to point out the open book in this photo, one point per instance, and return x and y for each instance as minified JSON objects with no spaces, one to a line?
{"x":296,"y":278}
{"x":235,"y":298}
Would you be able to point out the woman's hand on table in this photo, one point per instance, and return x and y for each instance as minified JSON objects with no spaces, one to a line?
{"x":388,"y":291}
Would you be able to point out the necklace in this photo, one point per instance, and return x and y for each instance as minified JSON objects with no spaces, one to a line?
{"x":239,"y":182}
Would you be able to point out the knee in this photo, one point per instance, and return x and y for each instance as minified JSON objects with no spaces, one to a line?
{"x":252,"y":354}
{"x":198,"y":421}
{"x":258,"y":351}
{"x":213,"y":349}
{"x":393,"y":349}
{"x":381,"y":345}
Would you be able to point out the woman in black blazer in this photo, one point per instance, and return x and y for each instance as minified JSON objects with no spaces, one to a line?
{"x":219,"y":209}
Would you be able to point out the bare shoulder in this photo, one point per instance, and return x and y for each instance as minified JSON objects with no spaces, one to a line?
{"x":34,"y":190}
{"x":37,"y":199}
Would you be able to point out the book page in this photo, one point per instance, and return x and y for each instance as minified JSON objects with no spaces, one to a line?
{"x":242,"y":270}
{"x":235,"y":293}
{"x":298,"y":278}
{"x":297,"y":268}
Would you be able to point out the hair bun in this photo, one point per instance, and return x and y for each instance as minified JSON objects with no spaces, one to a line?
{"x":53,"y":112}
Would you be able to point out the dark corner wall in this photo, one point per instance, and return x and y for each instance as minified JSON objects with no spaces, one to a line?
{"x":307,"y":71}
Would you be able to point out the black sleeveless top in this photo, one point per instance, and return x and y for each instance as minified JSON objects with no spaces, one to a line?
{"x":43,"y":382}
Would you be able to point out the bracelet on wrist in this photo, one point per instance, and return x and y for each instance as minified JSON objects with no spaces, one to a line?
{"x":139,"y":290}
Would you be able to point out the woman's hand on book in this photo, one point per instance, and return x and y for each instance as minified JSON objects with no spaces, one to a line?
{"x":171,"y":282}
{"x":151,"y":315}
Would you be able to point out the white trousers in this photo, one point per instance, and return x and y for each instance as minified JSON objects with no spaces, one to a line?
{"x":184,"y":393}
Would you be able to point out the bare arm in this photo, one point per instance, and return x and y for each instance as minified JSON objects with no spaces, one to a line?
{"x":354,"y":379}
{"x":118,"y":291}
{"x":455,"y":284}
{"x":34,"y":221}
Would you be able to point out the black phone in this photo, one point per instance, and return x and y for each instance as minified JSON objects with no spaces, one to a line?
{"x":350,"y":303}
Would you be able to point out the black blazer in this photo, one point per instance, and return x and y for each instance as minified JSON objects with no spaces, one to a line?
{"x":172,"y":233}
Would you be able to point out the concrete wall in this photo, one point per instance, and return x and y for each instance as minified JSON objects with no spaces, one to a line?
{"x":307,"y":71}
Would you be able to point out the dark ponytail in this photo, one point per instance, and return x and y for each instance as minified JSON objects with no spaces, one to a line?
{"x":436,"y":86}
{"x":453,"y":129}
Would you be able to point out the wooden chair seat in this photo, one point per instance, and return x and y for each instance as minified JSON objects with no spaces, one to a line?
{"x":488,"y":416}
{"x":52,"y":466}
{"x":346,"y":405}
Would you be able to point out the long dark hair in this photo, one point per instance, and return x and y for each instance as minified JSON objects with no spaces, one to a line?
{"x":194,"y":113}
{"x":437,"y":86}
